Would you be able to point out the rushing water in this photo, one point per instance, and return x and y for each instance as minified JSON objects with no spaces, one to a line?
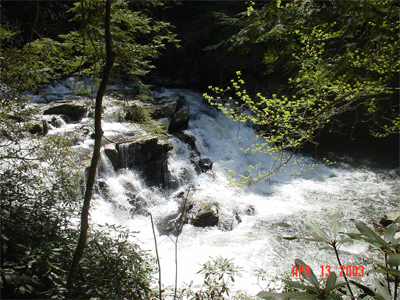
{"x":268,"y":210}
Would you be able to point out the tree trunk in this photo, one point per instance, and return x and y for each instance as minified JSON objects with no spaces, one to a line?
{"x":110,"y":58}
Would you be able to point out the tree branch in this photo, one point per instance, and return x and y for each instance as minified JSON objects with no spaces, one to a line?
{"x":110,"y":58}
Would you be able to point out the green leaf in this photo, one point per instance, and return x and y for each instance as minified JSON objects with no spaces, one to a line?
{"x":366,"y":290}
{"x":330,"y":282}
{"x":394,"y":259}
{"x":382,"y":289}
{"x":390,"y":232}
{"x":284,"y":296}
{"x":384,"y":270}
{"x":364,"y":229}
{"x":311,"y":278}
{"x":298,"y":285}
{"x":317,"y":232}
{"x":355,"y":236}
{"x":290,"y":238}
{"x":335,"y":227}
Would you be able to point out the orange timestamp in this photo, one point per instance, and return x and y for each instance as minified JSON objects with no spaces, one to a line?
{"x":345,"y":271}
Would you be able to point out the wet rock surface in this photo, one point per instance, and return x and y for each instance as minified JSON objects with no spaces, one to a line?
{"x":147,"y":154}
{"x":74,"y":110}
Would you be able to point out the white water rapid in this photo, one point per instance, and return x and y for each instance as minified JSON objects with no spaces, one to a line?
{"x":268,"y":211}
{"x":280,"y":205}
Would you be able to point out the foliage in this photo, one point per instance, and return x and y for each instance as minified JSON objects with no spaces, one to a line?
{"x":136,"y":39}
{"x":38,"y":201}
{"x":42,"y":185}
{"x":388,"y":245}
{"x":284,"y":130}
{"x":219,"y":275}
{"x":344,"y":68}
{"x":114,"y":267}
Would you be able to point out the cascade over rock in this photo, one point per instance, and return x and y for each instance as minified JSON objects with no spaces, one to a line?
{"x":148,"y":154}
{"x":187,"y":139}
{"x":201,"y":165}
{"x":112,"y":153}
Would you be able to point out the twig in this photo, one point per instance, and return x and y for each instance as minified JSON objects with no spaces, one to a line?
{"x":177,"y":237}
{"x":158,"y":258}
{"x":396,"y":285}
{"x":345,"y":277}
{"x":387,"y":274}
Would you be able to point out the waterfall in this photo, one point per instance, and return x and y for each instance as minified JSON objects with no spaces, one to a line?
{"x":267,"y":211}
{"x":124,"y":155}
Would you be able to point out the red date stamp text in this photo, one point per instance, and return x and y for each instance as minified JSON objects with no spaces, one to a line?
{"x":345,"y":271}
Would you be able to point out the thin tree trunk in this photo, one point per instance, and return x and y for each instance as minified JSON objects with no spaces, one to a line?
{"x":110,"y":58}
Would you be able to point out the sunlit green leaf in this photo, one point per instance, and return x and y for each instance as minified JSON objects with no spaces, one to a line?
{"x":316,"y":231}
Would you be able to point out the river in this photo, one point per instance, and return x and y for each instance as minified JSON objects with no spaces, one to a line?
{"x":268,"y":210}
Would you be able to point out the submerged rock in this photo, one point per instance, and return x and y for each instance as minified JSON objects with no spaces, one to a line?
{"x":170,"y":225}
{"x":201,"y":165}
{"x":187,"y":139}
{"x":57,"y":121}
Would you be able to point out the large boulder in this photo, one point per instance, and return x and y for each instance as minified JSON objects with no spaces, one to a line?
{"x":141,"y":150}
{"x":180,"y":119}
{"x":148,"y":154}
{"x":205,"y":164}
{"x":206,"y":215}
{"x":174,"y":108}
{"x":165,"y":107}
{"x":75,"y":111}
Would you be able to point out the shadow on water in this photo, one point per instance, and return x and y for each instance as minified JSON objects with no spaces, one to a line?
{"x":375,"y":154}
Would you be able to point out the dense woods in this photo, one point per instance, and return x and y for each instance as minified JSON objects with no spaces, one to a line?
{"x":303,"y":73}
